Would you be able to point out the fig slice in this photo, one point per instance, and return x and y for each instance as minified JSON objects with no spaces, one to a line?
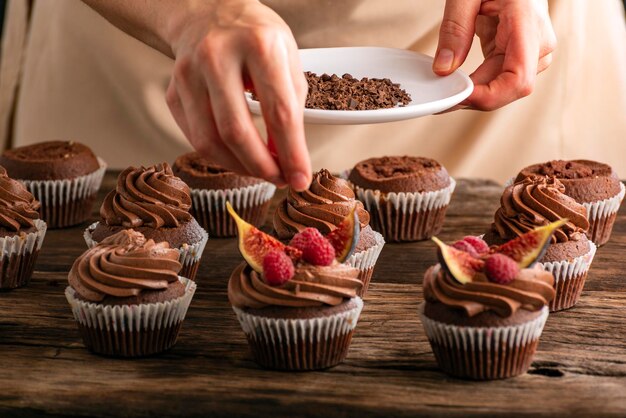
{"x":528,"y":248}
{"x":255,"y":244}
{"x":459,"y":264}
{"x":345,"y":237}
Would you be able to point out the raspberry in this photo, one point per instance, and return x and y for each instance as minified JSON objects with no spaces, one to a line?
{"x":501,"y":269}
{"x":319,"y":252}
{"x":302,"y":238}
{"x":479,"y":244}
{"x":277,"y":268}
{"x":466,"y":247}
{"x":316,"y":249}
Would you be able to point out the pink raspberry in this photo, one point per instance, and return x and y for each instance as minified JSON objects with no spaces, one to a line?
{"x":316,"y":249}
{"x":501,"y":269}
{"x":302,"y":238}
{"x":479,"y":244}
{"x":277,"y":268}
{"x":466,"y":247}
{"x":319,"y":252}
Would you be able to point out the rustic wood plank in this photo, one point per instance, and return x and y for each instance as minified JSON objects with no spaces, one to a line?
{"x":580,"y":367}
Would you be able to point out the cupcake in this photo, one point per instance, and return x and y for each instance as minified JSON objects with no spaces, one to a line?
{"x":127,"y":297}
{"x":63,"y":175}
{"x":406,"y":197}
{"x":156,"y":203}
{"x":537,"y":201}
{"x":297,"y":308}
{"x":212,"y":186}
{"x":595,"y":185}
{"x":323,"y":206}
{"x":21,"y":232}
{"x":484,"y":313}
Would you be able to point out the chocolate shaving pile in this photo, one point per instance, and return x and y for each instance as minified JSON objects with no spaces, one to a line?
{"x":331,"y":92}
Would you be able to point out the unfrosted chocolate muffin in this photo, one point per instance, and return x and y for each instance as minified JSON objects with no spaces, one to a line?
{"x":127,"y":270}
{"x":212,"y":186}
{"x":594,"y":184}
{"x":63,"y":175}
{"x":156,"y":203}
{"x":406,"y":196}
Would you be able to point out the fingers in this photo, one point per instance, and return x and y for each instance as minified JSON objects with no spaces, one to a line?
{"x":455,"y":35}
{"x":189,"y":104}
{"x":232,"y":118}
{"x":281,"y":88}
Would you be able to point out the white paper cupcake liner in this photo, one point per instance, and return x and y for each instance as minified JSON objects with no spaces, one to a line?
{"x":606,"y":207}
{"x":23,"y":244}
{"x":569,"y":278}
{"x":190,"y":254}
{"x":300,"y":344}
{"x":484,"y":352}
{"x":52,"y":192}
{"x":60,"y":199}
{"x":19,"y":254}
{"x":407,"y":202}
{"x":130,"y":330}
{"x":210,"y":206}
{"x":365,"y":261}
{"x":367,"y":258}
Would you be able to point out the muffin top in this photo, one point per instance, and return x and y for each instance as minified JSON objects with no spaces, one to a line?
{"x":309,"y":287}
{"x":50,"y":160}
{"x":124,"y":266}
{"x":584,"y":180}
{"x":153,"y":197}
{"x":537,"y":201}
{"x":323,"y":206}
{"x":199,"y":173}
{"x":18,"y":207}
{"x":400,"y":174}
{"x":531,"y":290}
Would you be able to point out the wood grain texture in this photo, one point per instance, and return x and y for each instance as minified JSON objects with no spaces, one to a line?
{"x":579,"y":369}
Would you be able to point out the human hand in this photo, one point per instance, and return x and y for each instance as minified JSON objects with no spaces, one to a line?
{"x":216,"y":47}
{"x":517,"y":40}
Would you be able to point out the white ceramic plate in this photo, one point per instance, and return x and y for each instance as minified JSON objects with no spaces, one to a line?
{"x":413,"y":71}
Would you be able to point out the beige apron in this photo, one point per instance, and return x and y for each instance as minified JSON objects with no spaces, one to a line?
{"x":84,"y":79}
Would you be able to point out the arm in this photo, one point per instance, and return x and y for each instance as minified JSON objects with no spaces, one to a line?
{"x":517,"y":40}
{"x":215,"y":45}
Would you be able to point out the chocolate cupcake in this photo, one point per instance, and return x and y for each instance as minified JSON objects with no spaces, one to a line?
{"x":127,"y":297}
{"x":304,"y":324}
{"x":212,"y":186}
{"x":406,"y":197}
{"x":63,"y":175}
{"x":21,"y":233}
{"x":537,"y":201}
{"x":323,"y":206}
{"x":595,"y":185}
{"x":482,"y":329}
{"x":156,"y":203}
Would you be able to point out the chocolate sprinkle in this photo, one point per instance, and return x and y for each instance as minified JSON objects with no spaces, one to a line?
{"x":331,"y":92}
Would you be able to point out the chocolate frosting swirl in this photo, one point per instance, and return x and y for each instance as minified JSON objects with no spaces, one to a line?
{"x":18,"y":207}
{"x":537,"y":201}
{"x":531,"y":290}
{"x":151,"y":197}
{"x":310,"y":286}
{"x":124,"y":265}
{"x":323,"y":206}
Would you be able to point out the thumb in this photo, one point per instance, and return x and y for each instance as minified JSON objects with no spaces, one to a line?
{"x":455,"y":35}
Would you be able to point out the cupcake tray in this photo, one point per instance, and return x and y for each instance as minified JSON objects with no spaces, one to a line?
{"x":579,"y":368}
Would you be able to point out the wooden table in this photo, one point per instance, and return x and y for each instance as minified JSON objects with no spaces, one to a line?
{"x":579,"y":369}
